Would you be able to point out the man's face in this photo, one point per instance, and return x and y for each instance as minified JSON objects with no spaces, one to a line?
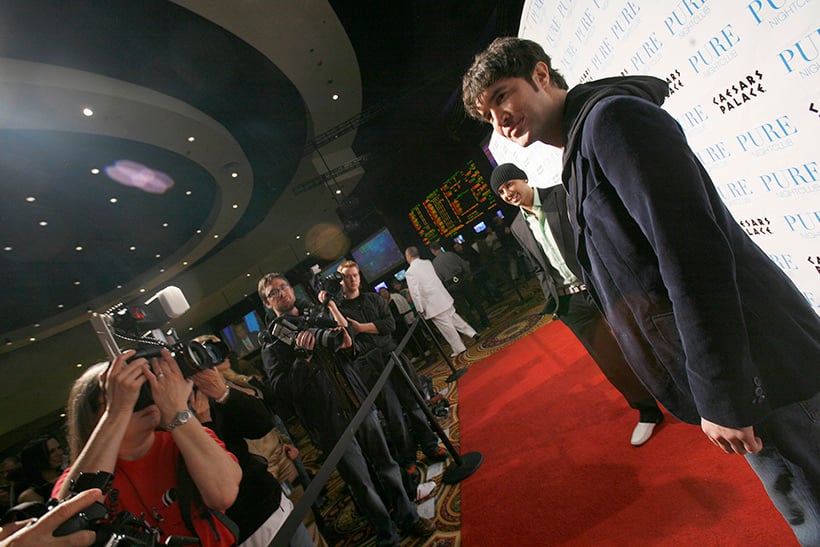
{"x":351,"y":281}
{"x":279,"y":296}
{"x":520,"y":112}
{"x":516,"y":192}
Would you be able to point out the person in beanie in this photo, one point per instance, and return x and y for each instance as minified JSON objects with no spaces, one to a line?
{"x":543,"y":231}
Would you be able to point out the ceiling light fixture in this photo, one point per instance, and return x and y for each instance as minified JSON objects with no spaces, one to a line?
{"x":8,"y":248}
{"x":191,"y":139}
{"x":157,"y":255}
{"x":87,"y":112}
{"x":113,"y":200}
{"x":185,"y":263}
{"x":298,"y":237}
{"x":43,"y":223}
{"x":32,"y":339}
{"x":132,"y":248}
{"x":335,"y":97}
{"x":142,"y":290}
{"x":339,"y":191}
{"x":79,"y":365}
{"x":95,"y":171}
{"x":31,"y":199}
{"x":216,"y":236}
{"x":78,"y":248}
{"x":235,"y":206}
{"x":76,"y":283}
{"x":60,"y":306}
{"x":234,"y":174}
{"x":188,"y":193}
{"x":164,"y":224}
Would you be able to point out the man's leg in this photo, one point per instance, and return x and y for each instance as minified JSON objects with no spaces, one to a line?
{"x":471,"y":296}
{"x":444,"y":323}
{"x":462,"y":326}
{"x":353,"y":470}
{"x":789,"y":466}
{"x":374,"y":446}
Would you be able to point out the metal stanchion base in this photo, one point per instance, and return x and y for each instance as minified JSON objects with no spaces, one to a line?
{"x":470,"y":463}
{"x":456,"y":375}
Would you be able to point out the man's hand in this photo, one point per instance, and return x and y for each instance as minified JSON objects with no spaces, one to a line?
{"x":290,"y":451}
{"x":355,"y":325}
{"x":347,"y":340}
{"x":305,"y":341}
{"x":210,"y":382}
{"x":730,"y":440}
{"x":40,"y":534}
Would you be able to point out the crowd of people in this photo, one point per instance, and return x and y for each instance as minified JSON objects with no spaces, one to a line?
{"x":698,"y":320}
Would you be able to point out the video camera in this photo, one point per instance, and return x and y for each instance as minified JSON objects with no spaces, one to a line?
{"x":314,"y":320}
{"x":140,"y":324}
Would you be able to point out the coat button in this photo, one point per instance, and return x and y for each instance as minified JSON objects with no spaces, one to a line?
{"x":758,"y":381}
{"x":758,"y":391}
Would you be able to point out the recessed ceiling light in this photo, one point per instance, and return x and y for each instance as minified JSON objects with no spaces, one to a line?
{"x":234,"y":174}
{"x":190,"y":328}
{"x":191,"y":139}
{"x":32,"y":339}
{"x":338,"y":191}
{"x":9,"y":342}
{"x":188,"y":193}
{"x":164,"y":224}
{"x":36,"y":325}
{"x":157,"y":255}
{"x":247,"y":275}
{"x":199,"y":231}
{"x":216,"y":236}
{"x":235,"y":206}
{"x":79,"y":365}
{"x":95,"y":171}
{"x":113,"y":200}
{"x":88,"y":112}
{"x":31,"y":199}
{"x":8,"y":248}
{"x":60,"y":306}
{"x":162,"y":270}
{"x":335,"y":97}
{"x":298,"y":237}
{"x":78,"y":248}
{"x":43,"y":223}
{"x":185,"y":263}
{"x":77,"y":282}
{"x":142,"y":290}
{"x":132,"y":248}
{"x":308,"y":253}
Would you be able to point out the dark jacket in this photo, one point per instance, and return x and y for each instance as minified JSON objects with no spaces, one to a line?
{"x":709,"y":323}
{"x":554,"y":206}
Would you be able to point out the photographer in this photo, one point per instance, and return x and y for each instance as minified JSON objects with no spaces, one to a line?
{"x":372,"y":326}
{"x":304,"y":374}
{"x":260,"y":508}
{"x":109,"y":432}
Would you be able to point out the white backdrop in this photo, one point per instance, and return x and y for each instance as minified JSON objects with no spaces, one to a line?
{"x":745,"y":83}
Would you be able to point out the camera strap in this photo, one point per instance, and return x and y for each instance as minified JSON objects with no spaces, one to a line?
{"x":187,"y":494}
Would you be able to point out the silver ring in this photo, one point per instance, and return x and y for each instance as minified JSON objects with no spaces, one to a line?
{"x":160,"y":374}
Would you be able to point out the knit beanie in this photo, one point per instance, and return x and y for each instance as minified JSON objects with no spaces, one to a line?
{"x":503,"y":173}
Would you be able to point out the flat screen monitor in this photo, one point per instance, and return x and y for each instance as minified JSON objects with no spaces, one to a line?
{"x":377,"y":255}
{"x":480,"y":227}
{"x":459,"y":239}
{"x":243,"y":336}
{"x":500,"y":213}
{"x":400,"y":275}
{"x":380,"y":286}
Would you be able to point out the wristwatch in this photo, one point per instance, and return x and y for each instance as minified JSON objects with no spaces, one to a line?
{"x":179,"y":419}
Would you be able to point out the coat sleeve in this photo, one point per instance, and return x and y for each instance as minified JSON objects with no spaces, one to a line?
{"x":640,"y":150}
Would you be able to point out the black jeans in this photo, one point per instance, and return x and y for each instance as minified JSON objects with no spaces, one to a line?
{"x":583,"y":318}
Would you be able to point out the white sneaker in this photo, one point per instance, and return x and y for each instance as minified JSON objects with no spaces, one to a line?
{"x":424,"y":490}
{"x":642,"y":433}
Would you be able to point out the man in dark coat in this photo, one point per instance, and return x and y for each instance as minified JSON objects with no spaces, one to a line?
{"x":543,"y":230}
{"x":716,"y":331}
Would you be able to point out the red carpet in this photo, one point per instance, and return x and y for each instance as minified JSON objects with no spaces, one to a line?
{"x":559,"y":470}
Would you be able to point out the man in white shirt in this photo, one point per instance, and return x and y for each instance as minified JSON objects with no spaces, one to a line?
{"x":433,"y":301}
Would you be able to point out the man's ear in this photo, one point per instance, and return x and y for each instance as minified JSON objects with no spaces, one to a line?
{"x":541,"y":75}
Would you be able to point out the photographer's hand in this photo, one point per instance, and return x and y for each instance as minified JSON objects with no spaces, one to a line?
{"x":169,"y":389}
{"x":306,"y":341}
{"x":121,"y":383}
{"x":210,"y":382}
{"x":39,"y":533}
{"x":341,"y":320}
{"x":347,"y":340}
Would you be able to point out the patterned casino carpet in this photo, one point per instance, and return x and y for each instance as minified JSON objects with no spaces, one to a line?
{"x":342,"y":525}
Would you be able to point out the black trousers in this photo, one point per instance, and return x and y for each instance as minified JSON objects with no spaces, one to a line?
{"x":583,"y":318}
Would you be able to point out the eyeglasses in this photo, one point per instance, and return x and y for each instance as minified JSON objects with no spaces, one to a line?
{"x":274,"y":293}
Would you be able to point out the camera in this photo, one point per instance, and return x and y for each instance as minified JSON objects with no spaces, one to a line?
{"x":331,"y":284}
{"x":126,"y":530}
{"x":314,"y":320}
{"x":140,"y":323}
